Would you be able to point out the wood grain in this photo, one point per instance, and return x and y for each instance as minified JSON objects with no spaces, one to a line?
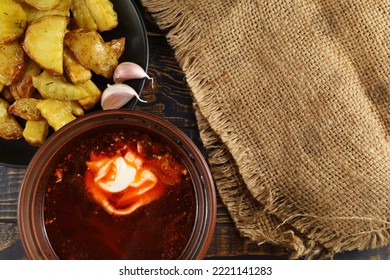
{"x":11,"y":179}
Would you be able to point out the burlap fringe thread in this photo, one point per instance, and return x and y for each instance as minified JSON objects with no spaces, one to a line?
{"x":253,"y":220}
{"x":250,"y":217}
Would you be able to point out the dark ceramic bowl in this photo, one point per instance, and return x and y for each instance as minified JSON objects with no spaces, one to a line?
{"x":32,"y":221}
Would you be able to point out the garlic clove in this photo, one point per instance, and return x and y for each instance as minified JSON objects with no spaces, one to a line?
{"x":116,"y":96}
{"x":128,"y":71}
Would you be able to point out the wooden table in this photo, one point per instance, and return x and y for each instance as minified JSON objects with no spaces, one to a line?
{"x":171,"y":99}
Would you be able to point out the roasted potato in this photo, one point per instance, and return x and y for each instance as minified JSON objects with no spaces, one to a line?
{"x":43,"y":42}
{"x":93,"y":97}
{"x":35,"y":132}
{"x":11,"y":62}
{"x":10,"y":129}
{"x":118,"y":45}
{"x":56,"y":112}
{"x":63,"y":9}
{"x":103,"y":13}
{"x":75,"y":108}
{"x":24,"y":88}
{"x":76,"y":72}
{"x":82,"y":15}
{"x":43,"y":4}
{"x":48,"y":51}
{"x":13,"y":21}
{"x":26,"y":108}
{"x":92,"y":52}
{"x":52,"y":87}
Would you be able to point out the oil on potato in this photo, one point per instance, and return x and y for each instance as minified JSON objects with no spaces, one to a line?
{"x":103,"y":13}
{"x":23,"y":87}
{"x":43,"y":4}
{"x":63,"y":9}
{"x":49,"y":50}
{"x":94,"y":95}
{"x":92,"y":52}
{"x":11,"y":62}
{"x":56,"y":112}
{"x":51,"y":87}
{"x":35,"y":132}
{"x":118,"y":45}
{"x":76,"y":72}
{"x":26,"y":108}
{"x":43,"y":42}
{"x":82,"y":15}
{"x":10,"y":129}
{"x":13,"y":21}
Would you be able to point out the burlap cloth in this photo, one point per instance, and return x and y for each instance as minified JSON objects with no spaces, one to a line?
{"x":293,"y":103}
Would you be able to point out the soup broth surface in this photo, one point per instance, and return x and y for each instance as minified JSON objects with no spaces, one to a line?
{"x":85,"y":221}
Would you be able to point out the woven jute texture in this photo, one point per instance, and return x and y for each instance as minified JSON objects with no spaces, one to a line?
{"x":293,"y":103}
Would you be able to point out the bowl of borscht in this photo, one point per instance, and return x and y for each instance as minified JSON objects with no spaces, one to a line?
{"x":117,"y":184}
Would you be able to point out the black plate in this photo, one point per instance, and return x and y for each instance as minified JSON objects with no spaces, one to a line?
{"x":18,"y":153}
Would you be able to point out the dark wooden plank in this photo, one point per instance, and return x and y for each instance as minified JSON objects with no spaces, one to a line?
{"x":11,"y":179}
{"x":228,"y":243}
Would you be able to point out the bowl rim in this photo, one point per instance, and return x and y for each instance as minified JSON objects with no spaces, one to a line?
{"x":30,"y":232}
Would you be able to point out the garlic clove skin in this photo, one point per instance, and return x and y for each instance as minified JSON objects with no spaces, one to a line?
{"x":128,"y":71}
{"x":117,"y":95}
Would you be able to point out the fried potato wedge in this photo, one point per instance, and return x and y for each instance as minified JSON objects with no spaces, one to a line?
{"x":10,"y":129}
{"x":63,"y":9}
{"x":75,"y":108}
{"x":94,"y":95}
{"x":26,"y":108}
{"x":52,"y":87}
{"x":76,"y":72}
{"x":35,"y":132}
{"x":43,"y":42}
{"x":43,"y":4}
{"x":56,"y":112}
{"x":11,"y":62}
{"x":92,"y":52}
{"x":103,"y":13}
{"x":13,"y":21}
{"x":49,"y":51}
{"x":24,"y":88}
{"x":82,"y":15}
{"x":118,"y":45}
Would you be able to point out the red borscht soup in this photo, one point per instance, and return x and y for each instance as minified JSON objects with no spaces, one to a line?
{"x":120,"y":195}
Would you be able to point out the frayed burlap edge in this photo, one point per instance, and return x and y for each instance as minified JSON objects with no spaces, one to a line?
{"x":187,"y":44}
{"x":250,"y":217}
